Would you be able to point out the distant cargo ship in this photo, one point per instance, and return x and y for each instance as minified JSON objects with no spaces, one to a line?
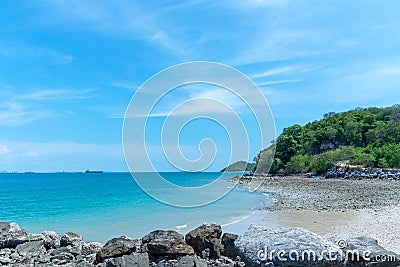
{"x":89,"y":171}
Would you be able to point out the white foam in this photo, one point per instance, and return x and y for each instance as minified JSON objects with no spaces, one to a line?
{"x":183,"y":226}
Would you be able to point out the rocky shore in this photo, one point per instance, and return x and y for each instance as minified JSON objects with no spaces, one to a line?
{"x":201,"y":247}
{"x":335,"y":206}
{"x":355,"y":172}
{"x":319,"y":194}
{"x":204,"y":246}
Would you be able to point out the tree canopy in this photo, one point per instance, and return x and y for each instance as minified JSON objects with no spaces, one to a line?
{"x":363,"y":136}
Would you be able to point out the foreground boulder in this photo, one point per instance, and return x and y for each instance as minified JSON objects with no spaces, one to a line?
{"x":262,"y":246}
{"x":117,"y":247}
{"x":11,"y":235}
{"x":228,"y":245}
{"x":166,"y":243}
{"x":365,"y":251}
{"x":205,"y":237}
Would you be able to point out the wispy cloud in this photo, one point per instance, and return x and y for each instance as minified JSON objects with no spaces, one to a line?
{"x":125,"y":85}
{"x":117,"y":19}
{"x":278,"y":82}
{"x":4,"y":150}
{"x":17,"y":109}
{"x":57,"y":94}
{"x":31,"y":153}
{"x":195,"y":99}
{"x":16,"y":114}
{"x":22,"y":50}
{"x":277,"y":71}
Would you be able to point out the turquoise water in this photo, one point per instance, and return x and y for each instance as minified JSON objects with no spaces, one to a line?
{"x":102,"y":206}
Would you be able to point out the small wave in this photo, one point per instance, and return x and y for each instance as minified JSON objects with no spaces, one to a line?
{"x":183,"y":226}
{"x":239,"y":220}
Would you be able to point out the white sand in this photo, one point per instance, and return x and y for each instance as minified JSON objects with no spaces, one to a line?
{"x":382,"y":225}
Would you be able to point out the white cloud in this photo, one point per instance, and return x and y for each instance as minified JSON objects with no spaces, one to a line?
{"x":16,"y":114}
{"x":279,"y":82}
{"x":57,"y":94}
{"x":125,"y":85}
{"x":21,"y":50}
{"x":31,"y":153}
{"x":129,"y":20}
{"x":194,"y":99}
{"x":252,"y":4}
{"x":277,"y":71}
{"x":388,"y":70}
{"x":21,"y":108}
{"x":4,"y":150}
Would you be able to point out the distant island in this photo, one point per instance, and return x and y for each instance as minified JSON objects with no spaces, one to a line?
{"x":367,"y":137}
{"x":239,"y":166}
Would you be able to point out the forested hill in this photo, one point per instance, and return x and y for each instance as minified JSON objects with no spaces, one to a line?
{"x":364,"y":136}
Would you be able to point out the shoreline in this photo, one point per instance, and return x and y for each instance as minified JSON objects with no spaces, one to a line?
{"x":332,"y":207}
{"x":234,"y":243}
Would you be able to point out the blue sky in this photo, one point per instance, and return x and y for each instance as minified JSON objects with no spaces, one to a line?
{"x":68,"y":69}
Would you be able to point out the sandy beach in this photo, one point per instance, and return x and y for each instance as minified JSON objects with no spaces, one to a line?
{"x":332,"y":207}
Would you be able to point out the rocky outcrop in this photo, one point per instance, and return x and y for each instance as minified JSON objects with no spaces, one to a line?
{"x":51,"y":239}
{"x":166,"y":243}
{"x":228,"y":245}
{"x":70,"y":239}
{"x":206,"y":237}
{"x":363,"y":173}
{"x":117,"y":247}
{"x":136,"y":260}
{"x":258,"y":246}
{"x":262,"y":246}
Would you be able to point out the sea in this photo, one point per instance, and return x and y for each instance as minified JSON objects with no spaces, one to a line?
{"x":106,"y":205}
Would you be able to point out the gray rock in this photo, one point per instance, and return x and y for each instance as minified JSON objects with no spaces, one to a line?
{"x":167,"y":243}
{"x":32,"y":247}
{"x":117,"y":247}
{"x":91,"y":247}
{"x":51,"y":239}
{"x":62,"y":258}
{"x":12,"y":235}
{"x":134,"y":260}
{"x":228,"y":243}
{"x":5,"y":261}
{"x":60,"y":250}
{"x":44,"y":258}
{"x":70,"y":239}
{"x":205,"y":237}
{"x":365,"y":251}
{"x":15,"y":256}
{"x":161,"y":235}
{"x":185,"y":261}
{"x":6,"y":252}
{"x":200,"y":262}
{"x":287,"y":247}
